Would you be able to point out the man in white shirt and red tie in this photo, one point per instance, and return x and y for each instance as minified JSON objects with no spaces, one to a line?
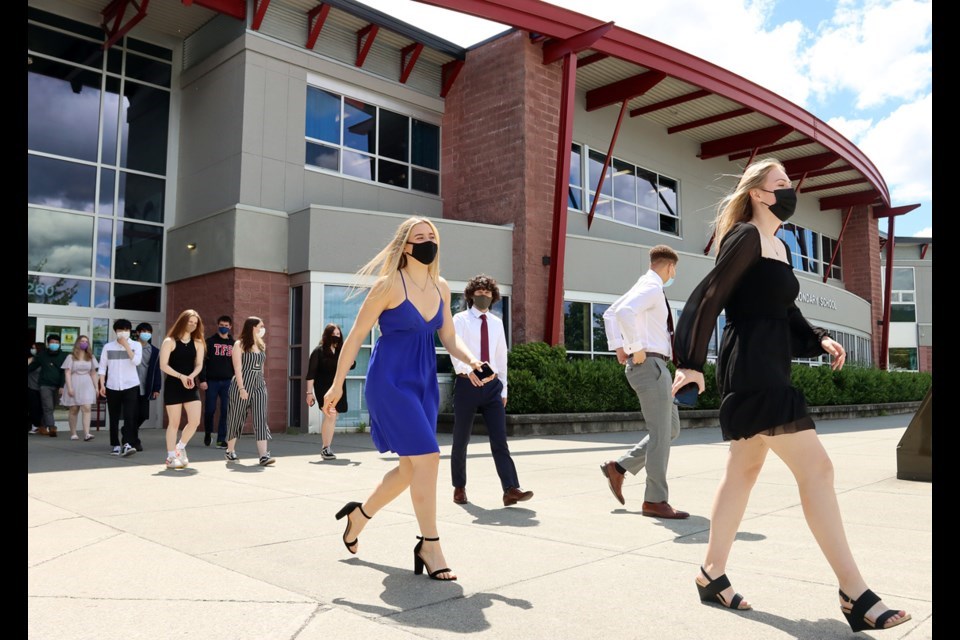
{"x":483,"y":333}
{"x":639,"y":327}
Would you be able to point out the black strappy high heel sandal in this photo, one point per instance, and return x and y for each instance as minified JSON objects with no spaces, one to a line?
{"x":710,"y":594}
{"x":856,"y":614}
{"x":346,"y":511}
{"x":419,"y":564}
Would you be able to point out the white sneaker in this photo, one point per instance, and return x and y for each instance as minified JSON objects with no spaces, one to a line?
{"x":34,"y":430}
{"x":115,"y":452}
{"x":327,"y":454}
{"x":127,"y":451}
{"x":182,"y":454}
{"x":174,"y":463}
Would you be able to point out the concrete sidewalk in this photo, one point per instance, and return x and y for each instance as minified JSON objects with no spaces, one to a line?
{"x":123,"y":548}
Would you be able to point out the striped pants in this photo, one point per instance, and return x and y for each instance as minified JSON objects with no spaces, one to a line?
{"x":238,"y":410}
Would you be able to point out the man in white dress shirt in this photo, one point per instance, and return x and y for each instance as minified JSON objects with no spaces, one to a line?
{"x":484,"y":335}
{"x":639,"y":327}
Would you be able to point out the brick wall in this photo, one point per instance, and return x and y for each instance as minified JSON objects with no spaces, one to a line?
{"x":240,"y":293}
{"x":498,"y":158}
{"x":925,"y":355}
{"x":861,"y":268}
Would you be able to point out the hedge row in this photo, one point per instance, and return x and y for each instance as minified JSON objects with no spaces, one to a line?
{"x":544,"y":380}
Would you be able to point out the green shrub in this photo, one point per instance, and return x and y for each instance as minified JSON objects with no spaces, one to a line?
{"x":542,"y":379}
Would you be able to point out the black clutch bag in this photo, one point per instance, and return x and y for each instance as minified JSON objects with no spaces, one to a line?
{"x":687,"y":395}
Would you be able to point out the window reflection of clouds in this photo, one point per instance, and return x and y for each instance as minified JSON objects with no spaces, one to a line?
{"x":104,"y":248}
{"x":59,"y":242}
{"x":63,"y":114}
{"x":61,"y":184}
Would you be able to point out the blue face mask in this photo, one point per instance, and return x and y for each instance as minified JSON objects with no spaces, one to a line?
{"x":668,"y":283}
{"x":223,"y":330}
{"x":54,"y":346}
{"x":145,"y":336}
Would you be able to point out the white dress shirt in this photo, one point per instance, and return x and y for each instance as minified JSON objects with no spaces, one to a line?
{"x":467,"y":325}
{"x":118,"y":367}
{"x":637,"y":320}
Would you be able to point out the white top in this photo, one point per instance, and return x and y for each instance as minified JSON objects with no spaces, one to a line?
{"x":467,"y":325}
{"x":117,"y":365}
{"x":637,"y":320}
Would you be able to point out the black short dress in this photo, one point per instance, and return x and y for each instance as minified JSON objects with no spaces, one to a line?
{"x":182,"y":359}
{"x":322,"y":369}
{"x":764,"y":331}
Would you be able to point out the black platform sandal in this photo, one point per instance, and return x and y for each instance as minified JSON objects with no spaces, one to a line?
{"x":419,"y":564}
{"x":710,"y":594}
{"x":855,"y":611}
{"x":349,"y":508}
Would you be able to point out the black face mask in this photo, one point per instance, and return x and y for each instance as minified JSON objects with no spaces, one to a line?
{"x":482,"y":303}
{"x":786,"y":203}
{"x":425,"y":252}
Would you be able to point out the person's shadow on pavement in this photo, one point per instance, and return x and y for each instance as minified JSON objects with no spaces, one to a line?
{"x":503,"y":517}
{"x":412,"y":606}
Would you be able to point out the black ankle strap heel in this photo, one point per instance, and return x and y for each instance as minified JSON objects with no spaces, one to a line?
{"x":347,"y":509}
{"x":419,"y":564}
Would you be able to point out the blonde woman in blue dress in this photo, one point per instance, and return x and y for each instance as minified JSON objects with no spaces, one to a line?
{"x":411,"y":303}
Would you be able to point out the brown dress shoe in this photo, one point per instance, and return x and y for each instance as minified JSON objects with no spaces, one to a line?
{"x":662,"y":510}
{"x":52,"y":432}
{"x":515,"y":495}
{"x":614,"y":479}
{"x":460,"y":495}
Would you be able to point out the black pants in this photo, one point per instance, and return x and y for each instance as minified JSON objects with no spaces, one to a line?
{"x":125,"y":403}
{"x":467,"y":400}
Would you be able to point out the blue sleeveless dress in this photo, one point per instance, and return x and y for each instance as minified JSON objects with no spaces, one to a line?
{"x":402,"y":392}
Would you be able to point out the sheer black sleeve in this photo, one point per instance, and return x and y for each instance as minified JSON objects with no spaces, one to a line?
{"x":313,"y":369}
{"x":738,"y":251}
{"x":804,"y":337}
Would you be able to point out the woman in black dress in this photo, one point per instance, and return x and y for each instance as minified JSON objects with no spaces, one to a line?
{"x":320,"y":373}
{"x":760,"y":410}
{"x":181,"y":358}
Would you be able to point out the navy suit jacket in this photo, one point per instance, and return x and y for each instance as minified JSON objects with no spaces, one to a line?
{"x":152,"y":383}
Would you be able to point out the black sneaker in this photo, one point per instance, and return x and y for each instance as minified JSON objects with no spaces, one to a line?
{"x":327,"y":454}
{"x":138,"y":447}
{"x":266,"y":460}
{"x":206,"y":439}
{"x":231,"y":456}
{"x":221,"y":444}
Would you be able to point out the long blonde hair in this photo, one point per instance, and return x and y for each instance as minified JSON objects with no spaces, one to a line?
{"x":736,"y":206}
{"x":80,"y":354}
{"x":388,"y":262}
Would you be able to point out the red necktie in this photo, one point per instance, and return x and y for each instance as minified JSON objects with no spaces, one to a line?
{"x":673,"y":354}
{"x":484,"y":339}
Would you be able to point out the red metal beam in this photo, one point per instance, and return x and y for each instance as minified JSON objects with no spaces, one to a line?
{"x":770,"y":149}
{"x":593,"y":57}
{"x":365,"y":38}
{"x":656,"y":106}
{"x":807,"y":164}
{"x":408,"y":58}
{"x":556,"y":49}
{"x":315,"y":19}
{"x":923,"y":250}
{"x":887,"y":292}
{"x":720,"y":117}
{"x":541,"y":17}
{"x":830,"y":171}
{"x":849,"y":200}
{"x":258,"y":13}
{"x":743,"y":141}
{"x":115,"y":11}
{"x":835,"y":185}
{"x":833,"y":256}
{"x":558,"y":239}
{"x":233,"y":8}
{"x":889,"y":212}
{"x":625,"y":89}
{"x":606,"y":164}
{"x":448,"y":74}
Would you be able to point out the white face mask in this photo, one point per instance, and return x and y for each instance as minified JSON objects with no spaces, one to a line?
{"x":123,"y":335}
{"x":262,"y":331}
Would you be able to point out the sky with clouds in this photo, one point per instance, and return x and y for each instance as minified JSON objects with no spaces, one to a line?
{"x":862,"y":66}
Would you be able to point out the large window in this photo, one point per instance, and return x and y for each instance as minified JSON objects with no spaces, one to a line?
{"x":903,"y":298}
{"x":370,"y":142}
{"x":583,"y":332}
{"x":811,"y":252}
{"x":903,"y":359}
{"x":631,"y":195}
{"x":97,"y":130}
